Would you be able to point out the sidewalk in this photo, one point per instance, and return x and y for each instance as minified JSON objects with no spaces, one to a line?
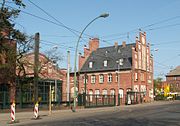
{"x":26,"y":117}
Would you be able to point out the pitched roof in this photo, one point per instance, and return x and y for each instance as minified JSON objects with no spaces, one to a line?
{"x":112,"y":54}
{"x":176,"y":71}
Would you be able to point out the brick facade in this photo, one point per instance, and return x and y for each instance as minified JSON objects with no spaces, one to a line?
{"x":93,"y":45}
{"x":173,"y":79}
{"x":139,"y":78}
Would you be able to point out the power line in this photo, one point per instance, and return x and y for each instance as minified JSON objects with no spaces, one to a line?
{"x":143,"y":27}
{"x":62,"y":24}
{"x":164,"y":43}
{"x":49,"y":21}
{"x":162,"y":64}
{"x":106,"y":41}
{"x":161,"y":27}
{"x":70,"y":29}
{"x":52,"y":43}
{"x":59,"y":36}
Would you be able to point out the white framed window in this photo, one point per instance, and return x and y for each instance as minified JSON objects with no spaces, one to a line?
{"x":109,"y":77}
{"x":112,"y":92}
{"x":101,"y":78}
{"x":142,"y":77}
{"x":143,"y":88}
{"x":136,"y":65}
{"x":105,"y":63}
{"x":117,"y":77}
{"x":104,"y":92}
{"x":135,"y":76}
{"x":97,"y":92}
{"x":121,"y":93}
{"x":139,"y":47}
{"x":72,"y":91}
{"x":86,"y":79}
{"x":91,"y":95}
{"x":93,"y":79}
{"x":90,"y":64}
{"x":135,"y":56}
{"x":121,"y":62}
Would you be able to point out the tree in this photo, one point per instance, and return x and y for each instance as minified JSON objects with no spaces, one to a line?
{"x":10,"y":39}
{"x":157,"y":85}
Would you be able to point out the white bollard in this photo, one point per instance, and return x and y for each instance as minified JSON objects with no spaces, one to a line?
{"x":13,"y":112}
{"x":36,"y":110}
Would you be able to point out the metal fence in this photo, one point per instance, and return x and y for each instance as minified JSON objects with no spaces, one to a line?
{"x":26,"y":100}
{"x":4,"y":100}
{"x":96,"y":100}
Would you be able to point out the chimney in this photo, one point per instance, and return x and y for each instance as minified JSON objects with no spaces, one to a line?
{"x":93,"y":44}
{"x":123,"y":44}
{"x":116,"y":44}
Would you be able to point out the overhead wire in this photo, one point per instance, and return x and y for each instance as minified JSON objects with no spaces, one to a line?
{"x":106,"y":41}
{"x":143,"y":27}
{"x":62,"y":25}
{"x":70,"y":29}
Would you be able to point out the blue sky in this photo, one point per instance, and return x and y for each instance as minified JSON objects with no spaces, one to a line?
{"x":125,"y":16}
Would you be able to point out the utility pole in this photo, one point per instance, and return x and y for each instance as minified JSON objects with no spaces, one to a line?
{"x":50,"y":108}
{"x":36,"y":64}
{"x":118,"y":82}
{"x":119,"y":63}
{"x":85,"y":84}
{"x":68,"y":71}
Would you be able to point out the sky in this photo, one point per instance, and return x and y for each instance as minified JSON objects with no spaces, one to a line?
{"x":160,"y":19}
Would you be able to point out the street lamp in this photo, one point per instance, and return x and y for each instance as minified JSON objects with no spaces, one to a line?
{"x":119,"y":63}
{"x":75,"y":60}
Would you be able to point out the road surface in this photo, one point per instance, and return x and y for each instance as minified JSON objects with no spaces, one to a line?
{"x":166,"y":113}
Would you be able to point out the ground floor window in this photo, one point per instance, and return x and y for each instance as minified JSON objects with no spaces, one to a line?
{"x":121,"y":93}
{"x":91,"y":95}
{"x":112,"y":92}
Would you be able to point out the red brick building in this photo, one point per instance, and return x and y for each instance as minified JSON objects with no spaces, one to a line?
{"x":49,"y":74}
{"x":173,"y":79}
{"x":7,"y":65}
{"x":119,"y":68}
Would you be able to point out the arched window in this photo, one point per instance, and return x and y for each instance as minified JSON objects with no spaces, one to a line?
{"x":90,"y":95}
{"x":104,"y":91}
{"x":121,"y":93}
{"x":72,"y":91}
{"x":97,"y":92}
{"x":112,"y":92}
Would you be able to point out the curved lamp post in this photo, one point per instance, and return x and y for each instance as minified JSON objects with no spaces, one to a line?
{"x":75,"y":69}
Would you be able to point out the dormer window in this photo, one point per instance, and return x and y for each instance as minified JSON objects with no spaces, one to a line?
{"x":90,"y":64}
{"x":105,"y":63}
{"x":119,"y":51}
{"x":121,"y":62}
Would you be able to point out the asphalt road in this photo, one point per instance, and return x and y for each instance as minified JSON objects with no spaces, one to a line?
{"x":151,"y":114}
